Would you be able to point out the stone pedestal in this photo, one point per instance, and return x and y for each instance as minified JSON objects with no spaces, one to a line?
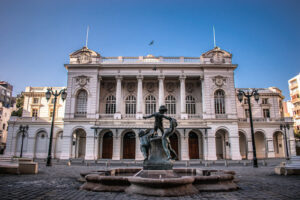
{"x":157,"y":157}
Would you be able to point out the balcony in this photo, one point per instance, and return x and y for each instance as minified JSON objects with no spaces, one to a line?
{"x":262,"y":119}
{"x":221,"y":116}
{"x":295,"y":100}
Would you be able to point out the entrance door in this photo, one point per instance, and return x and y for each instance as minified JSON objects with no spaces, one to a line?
{"x":193,"y":146}
{"x":129,"y":146}
{"x":174,"y":143}
{"x":107,"y":145}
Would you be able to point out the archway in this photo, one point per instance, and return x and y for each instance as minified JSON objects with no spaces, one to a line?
{"x":279,"y":144}
{"x":129,"y":145}
{"x":243,"y":145}
{"x":195,"y":145}
{"x":41,"y":145}
{"x":19,"y":143}
{"x":260,"y":144}
{"x":175,"y":143}
{"x":222,"y":145}
{"x":78,"y":143}
{"x":107,"y":145}
{"x":58,"y":144}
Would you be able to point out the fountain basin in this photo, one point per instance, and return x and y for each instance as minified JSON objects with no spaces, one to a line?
{"x":176,"y":182}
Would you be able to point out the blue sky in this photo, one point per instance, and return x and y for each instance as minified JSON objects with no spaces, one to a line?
{"x":36,"y":36}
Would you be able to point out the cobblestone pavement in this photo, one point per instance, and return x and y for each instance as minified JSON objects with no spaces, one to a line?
{"x":60,"y":182}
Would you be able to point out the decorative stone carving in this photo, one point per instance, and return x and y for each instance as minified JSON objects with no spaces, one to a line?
{"x":170,"y":87}
{"x":110,"y":86}
{"x":219,"y":81}
{"x":84,"y":56}
{"x":216,"y":56}
{"x":82,"y":80}
{"x":190,"y":87}
{"x":150,"y":86}
{"x":131,"y":86}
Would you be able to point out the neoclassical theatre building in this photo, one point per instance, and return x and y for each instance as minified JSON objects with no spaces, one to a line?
{"x":108,"y":97}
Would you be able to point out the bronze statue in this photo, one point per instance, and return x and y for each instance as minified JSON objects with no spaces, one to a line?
{"x":166,"y":141}
{"x":158,"y":124}
{"x":144,"y":137}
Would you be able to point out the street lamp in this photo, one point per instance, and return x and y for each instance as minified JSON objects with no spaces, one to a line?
{"x":55,"y":93}
{"x":249,"y":94}
{"x":22,"y":129}
{"x":285,"y":126}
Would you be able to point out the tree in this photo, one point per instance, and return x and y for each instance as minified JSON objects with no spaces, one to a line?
{"x":19,"y":105}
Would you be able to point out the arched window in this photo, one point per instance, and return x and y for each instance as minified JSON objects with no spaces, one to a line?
{"x":190,"y":105}
{"x":171,"y":104}
{"x":219,"y":102}
{"x":81,"y":103}
{"x":110,"y":107}
{"x":130,"y":105}
{"x":150,"y":104}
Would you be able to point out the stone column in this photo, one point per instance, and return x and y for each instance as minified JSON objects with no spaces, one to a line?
{"x":271,"y":152}
{"x":138,"y":153}
{"x":98,"y":97}
{"x":161,"y":93}
{"x":183,"y":114}
{"x":118,"y":115}
{"x":90,"y":145}
{"x":235,"y":147}
{"x":211,"y":145}
{"x":116,"y":146}
{"x":291,"y":142}
{"x":184,"y":146}
{"x":139,"y":103}
{"x":250,"y":149}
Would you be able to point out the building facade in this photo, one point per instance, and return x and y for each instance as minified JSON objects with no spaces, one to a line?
{"x":108,"y":97}
{"x":294,"y":87}
{"x":6,"y":94}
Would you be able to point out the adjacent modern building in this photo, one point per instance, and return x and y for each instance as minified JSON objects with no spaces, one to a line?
{"x":7,"y":105}
{"x":108,"y":97}
{"x":294,"y":87}
{"x":6,"y":94}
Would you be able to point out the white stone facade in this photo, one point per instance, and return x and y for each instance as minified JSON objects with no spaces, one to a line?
{"x":108,"y":96}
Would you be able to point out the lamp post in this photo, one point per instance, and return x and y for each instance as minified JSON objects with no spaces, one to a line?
{"x":285,"y":126}
{"x":22,"y":129}
{"x":55,"y":93}
{"x":248,"y":95}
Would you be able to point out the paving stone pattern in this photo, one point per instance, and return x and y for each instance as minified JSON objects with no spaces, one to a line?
{"x":60,"y":182}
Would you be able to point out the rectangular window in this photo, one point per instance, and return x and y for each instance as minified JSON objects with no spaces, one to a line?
{"x":245,"y":101}
{"x":247,"y":113}
{"x":34,"y":112}
{"x":264,"y":100}
{"x":266,"y":113}
{"x":35,"y":100}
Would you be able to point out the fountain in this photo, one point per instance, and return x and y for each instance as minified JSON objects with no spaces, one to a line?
{"x":158,"y":178}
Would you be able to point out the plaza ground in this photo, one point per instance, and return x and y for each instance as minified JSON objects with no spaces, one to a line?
{"x":60,"y":182}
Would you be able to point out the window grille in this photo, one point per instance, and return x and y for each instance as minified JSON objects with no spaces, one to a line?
{"x":264,"y":100}
{"x":34,"y":112}
{"x":266,"y":113}
{"x":81,"y":105}
{"x":110,"y":107}
{"x":247,"y":114}
{"x":35,"y":100}
{"x":130,"y":105}
{"x":150,"y":104}
{"x":219,"y":102}
{"x":190,"y":105}
{"x":170,"y":102}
